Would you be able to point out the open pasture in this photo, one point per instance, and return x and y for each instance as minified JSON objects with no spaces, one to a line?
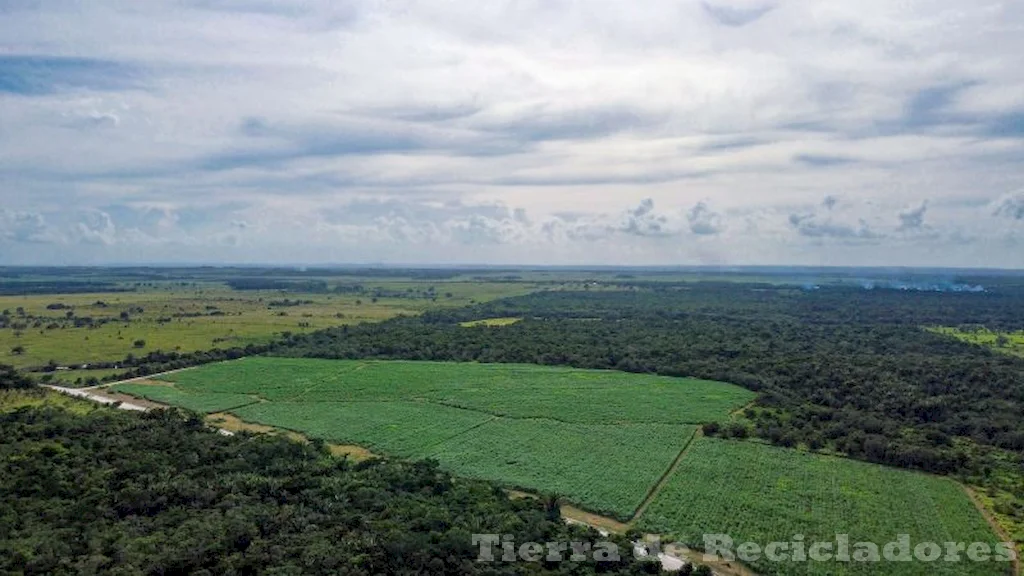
{"x":760,"y":493}
{"x":83,"y":328}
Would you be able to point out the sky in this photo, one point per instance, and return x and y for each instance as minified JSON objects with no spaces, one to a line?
{"x":647,"y":132}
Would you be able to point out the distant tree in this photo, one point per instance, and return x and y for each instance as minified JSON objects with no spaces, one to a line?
{"x":139,"y":343}
{"x":11,"y":379}
{"x":18,"y":350}
{"x":711,"y":428}
{"x":552,"y":507}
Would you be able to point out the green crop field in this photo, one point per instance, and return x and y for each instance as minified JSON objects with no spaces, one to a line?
{"x":511,"y":390}
{"x":198,"y":401}
{"x":760,"y":493}
{"x":605,"y":468}
{"x":600,"y":438}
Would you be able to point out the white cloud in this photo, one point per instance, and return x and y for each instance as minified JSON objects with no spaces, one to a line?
{"x":407,"y":130}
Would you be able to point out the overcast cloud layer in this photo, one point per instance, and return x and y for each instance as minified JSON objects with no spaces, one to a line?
{"x":847,"y":132}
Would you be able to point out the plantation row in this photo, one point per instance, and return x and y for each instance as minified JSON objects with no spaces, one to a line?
{"x":602,"y":440}
{"x":761,"y":493}
{"x":512,"y":390}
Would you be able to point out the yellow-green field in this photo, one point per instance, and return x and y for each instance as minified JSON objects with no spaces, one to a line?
{"x":188,"y":319}
{"x":490,"y":322}
{"x":1005,"y":342}
{"x":11,"y":400}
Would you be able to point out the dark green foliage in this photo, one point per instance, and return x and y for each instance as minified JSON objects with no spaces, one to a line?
{"x":849,"y":367}
{"x":117,"y":493}
{"x":11,"y":379}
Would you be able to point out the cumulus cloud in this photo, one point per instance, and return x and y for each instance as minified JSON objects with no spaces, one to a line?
{"x":96,"y":227}
{"x":704,"y":221}
{"x":25,"y":227}
{"x":644,"y":221}
{"x":827,"y":222}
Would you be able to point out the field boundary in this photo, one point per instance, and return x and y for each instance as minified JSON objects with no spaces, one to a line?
{"x":993,"y":523}
{"x":663,"y":480}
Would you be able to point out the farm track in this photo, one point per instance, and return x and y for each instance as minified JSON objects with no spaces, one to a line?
{"x":664,"y":478}
{"x":994,"y":524}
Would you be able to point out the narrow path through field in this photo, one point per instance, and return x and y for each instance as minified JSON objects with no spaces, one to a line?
{"x":664,"y":478}
{"x":999,"y":530}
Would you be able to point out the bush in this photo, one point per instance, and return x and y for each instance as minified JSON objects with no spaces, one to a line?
{"x":10,"y":379}
{"x":139,"y":344}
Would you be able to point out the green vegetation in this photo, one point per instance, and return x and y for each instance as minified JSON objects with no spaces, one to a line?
{"x":605,"y":468}
{"x":78,"y":378}
{"x":407,"y":429}
{"x":198,"y":401}
{"x":513,"y":390}
{"x":841,"y":369}
{"x":491,"y":322}
{"x":601,"y":439}
{"x":73,"y":329}
{"x":760,"y":493}
{"x":1001,"y":341}
{"x":159,"y":493}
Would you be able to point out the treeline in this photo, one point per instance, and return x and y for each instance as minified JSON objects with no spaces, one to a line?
{"x":846,"y":369}
{"x":160,"y":493}
{"x":11,"y":379}
{"x":309,"y":286}
{"x":28,"y":288}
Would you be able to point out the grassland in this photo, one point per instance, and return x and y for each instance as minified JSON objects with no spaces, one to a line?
{"x":760,"y":493}
{"x":11,"y":400}
{"x":601,"y":439}
{"x":1004,"y":342}
{"x":490,"y":322}
{"x":76,"y":329}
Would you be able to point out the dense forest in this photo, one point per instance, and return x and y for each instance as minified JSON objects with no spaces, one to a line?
{"x":841,"y":368}
{"x":108,"y":492}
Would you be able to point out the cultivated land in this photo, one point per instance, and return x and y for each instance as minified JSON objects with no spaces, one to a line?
{"x":601,"y":439}
{"x":762,"y":493}
{"x":76,"y":329}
